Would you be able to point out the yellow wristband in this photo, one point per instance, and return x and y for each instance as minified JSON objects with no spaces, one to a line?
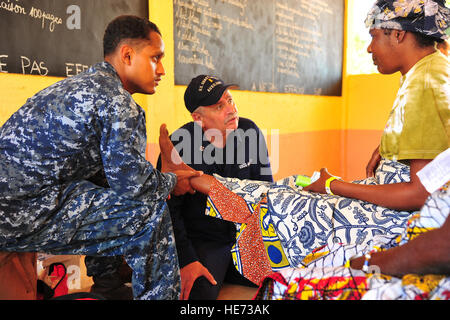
{"x":327,"y":184}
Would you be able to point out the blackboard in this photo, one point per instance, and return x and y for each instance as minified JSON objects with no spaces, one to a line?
{"x":57,"y":37}
{"x":289,"y":46}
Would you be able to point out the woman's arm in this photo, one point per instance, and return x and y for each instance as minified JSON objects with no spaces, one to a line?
{"x":398,"y":196}
{"x":373,"y":163}
{"x":429,"y":253}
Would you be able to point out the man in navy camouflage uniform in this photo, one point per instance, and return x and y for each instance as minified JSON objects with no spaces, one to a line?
{"x":73,"y":173}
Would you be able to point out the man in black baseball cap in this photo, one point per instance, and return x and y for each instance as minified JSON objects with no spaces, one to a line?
{"x":211,"y":105}
{"x":205,"y":90}
{"x":216,"y":135}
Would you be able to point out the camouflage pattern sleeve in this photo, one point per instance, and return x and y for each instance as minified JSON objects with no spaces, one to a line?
{"x":123,"y":142}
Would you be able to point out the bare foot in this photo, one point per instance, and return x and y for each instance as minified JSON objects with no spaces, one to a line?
{"x":170,"y":159}
{"x":189,"y":180}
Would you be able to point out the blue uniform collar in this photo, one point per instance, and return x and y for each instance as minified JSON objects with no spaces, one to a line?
{"x":105,"y":67}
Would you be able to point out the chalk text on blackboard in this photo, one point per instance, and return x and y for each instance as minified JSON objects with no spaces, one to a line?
{"x":75,"y":68}
{"x":45,"y":16}
{"x":33,"y":67}
{"x":36,"y":67}
{"x":3,"y":64}
{"x":48,"y":19}
{"x":241,"y":4}
{"x":12,"y":7}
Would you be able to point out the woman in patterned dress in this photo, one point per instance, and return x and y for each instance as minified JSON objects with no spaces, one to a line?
{"x":290,"y":222}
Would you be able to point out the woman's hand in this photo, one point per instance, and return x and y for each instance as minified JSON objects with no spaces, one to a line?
{"x":319,"y":185}
{"x":373,"y":163}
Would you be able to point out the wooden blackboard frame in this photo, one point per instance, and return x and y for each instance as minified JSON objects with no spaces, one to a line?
{"x":57,"y":37}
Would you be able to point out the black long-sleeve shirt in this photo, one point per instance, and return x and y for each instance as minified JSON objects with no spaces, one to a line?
{"x":245,"y":156}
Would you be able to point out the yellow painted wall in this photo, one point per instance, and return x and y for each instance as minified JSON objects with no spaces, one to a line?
{"x":304,"y":132}
{"x":368,"y":101}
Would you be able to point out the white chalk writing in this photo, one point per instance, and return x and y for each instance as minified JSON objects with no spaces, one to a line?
{"x":12,"y":7}
{"x":33,"y":67}
{"x":197,"y":23}
{"x":3,"y":64}
{"x":48,"y":20}
{"x":296,"y":41}
{"x":45,"y":17}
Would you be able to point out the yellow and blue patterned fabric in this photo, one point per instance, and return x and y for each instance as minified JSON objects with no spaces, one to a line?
{"x":293,"y":222}
{"x":272,"y":243}
{"x":305,"y":221}
{"x":257,"y":250}
{"x":326,"y":273}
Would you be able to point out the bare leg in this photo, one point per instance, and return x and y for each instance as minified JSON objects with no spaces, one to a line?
{"x":171,"y":161}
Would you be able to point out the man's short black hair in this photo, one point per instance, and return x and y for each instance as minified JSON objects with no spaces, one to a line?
{"x":126,"y":27}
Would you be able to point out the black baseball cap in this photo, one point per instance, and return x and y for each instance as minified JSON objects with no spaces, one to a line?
{"x":204,"y":90}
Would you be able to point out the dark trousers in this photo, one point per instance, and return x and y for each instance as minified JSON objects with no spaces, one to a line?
{"x":217,"y":259}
